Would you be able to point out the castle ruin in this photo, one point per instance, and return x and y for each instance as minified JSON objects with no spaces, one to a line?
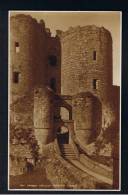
{"x":62,"y":86}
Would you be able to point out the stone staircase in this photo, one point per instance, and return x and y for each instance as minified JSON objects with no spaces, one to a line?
{"x":67,"y":151}
{"x":69,"y":154}
{"x":85,"y":164}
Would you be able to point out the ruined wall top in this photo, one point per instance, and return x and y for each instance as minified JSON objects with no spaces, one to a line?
{"x":86,"y":29}
{"x":59,"y":33}
{"x":29,"y":19}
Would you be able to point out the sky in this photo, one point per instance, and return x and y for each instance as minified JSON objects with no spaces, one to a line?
{"x":110,"y":20}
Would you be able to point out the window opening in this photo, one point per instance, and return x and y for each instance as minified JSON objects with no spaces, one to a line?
{"x":15,"y":77}
{"x":52,"y":60}
{"x":95,"y":83}
{"x":53,"y":84}
{"x":17,"y":47}
{"x":94,"y":55}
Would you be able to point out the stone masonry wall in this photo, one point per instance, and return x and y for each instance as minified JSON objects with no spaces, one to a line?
{"x":87,"y":67}
{"x":26,"y":36}
{"x":87,"y":111}
{"x":53,"y":48}
{"x":79,"y":67}
{"x":43,"y":116}
{"x":31,"y":45}
{"x":22,"y":111}
{"x":83,"y":64}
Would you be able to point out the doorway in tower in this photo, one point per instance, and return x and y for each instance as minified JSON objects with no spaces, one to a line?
{"x":63,"y":135}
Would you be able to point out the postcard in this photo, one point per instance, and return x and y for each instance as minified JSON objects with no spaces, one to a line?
{"x":64,"y":100}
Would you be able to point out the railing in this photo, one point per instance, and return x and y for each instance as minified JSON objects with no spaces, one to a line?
{"x":96,"y":167}
{"x":86,"y":161}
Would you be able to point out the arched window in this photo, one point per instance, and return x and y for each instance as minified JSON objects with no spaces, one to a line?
{"x":53,"y":84}
{"x":52,"y":60}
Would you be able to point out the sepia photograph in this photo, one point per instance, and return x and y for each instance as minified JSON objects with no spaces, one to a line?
{"x":64,"y":129}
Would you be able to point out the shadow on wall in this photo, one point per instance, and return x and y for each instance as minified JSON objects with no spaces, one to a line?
{"x":96,"y":118}
{"x":89,"y":115}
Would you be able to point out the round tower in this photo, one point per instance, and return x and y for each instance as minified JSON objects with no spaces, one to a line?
{"x":26,"y":57}
{"x":43,"y":116}
{"x":87,"y":114}
{"x":87,"y":67}
{"x":86,"y":61}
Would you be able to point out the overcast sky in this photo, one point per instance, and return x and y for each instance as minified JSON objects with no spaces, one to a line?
{"x":63,"y":20}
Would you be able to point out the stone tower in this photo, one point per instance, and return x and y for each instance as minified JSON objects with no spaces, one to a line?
{"x":86,"y":75}
{"x":34,"y":69}
{"x":26,"y":57}
{"x":86,"y":61}
{"x":75,"y":65}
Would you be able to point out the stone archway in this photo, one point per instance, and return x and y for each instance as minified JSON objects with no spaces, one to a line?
{"x":64,"y":125}
{"x":65,"y":113}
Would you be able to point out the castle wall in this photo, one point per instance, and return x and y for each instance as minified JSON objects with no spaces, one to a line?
{"x":22,"y":111}
{"x":74,"y":62}
{"x":53,"y":63}
{"x":87,"y":67}
{"x":86,"y":55}
{"x":31,"y":72}
{"x":43,"y":116}
{"x":26,"y":57}
{"x":87,"y":114}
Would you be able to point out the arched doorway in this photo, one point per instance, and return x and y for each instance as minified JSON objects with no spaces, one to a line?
{"x":63,"y":135}
{"x":66,"y":112}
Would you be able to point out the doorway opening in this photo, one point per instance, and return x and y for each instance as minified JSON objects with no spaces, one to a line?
{"x":63,"y":135}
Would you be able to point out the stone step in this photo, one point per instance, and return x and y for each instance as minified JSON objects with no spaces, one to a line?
{"x":69,"y":156}
{"x":67,"y":151}
{"x":63,"y":150}
{"x":66,"y":147}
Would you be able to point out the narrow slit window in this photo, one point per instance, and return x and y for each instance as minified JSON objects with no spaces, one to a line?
{"x":95,"y":83}
{"x":53,"y":84}
{"x":15,"y":77}
{"x":52,"y":60}
{"x":94,"y":55}
{"x":17,"y":47}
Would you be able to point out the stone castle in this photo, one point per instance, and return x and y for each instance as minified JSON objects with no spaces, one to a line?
{"x":62,"y":86}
